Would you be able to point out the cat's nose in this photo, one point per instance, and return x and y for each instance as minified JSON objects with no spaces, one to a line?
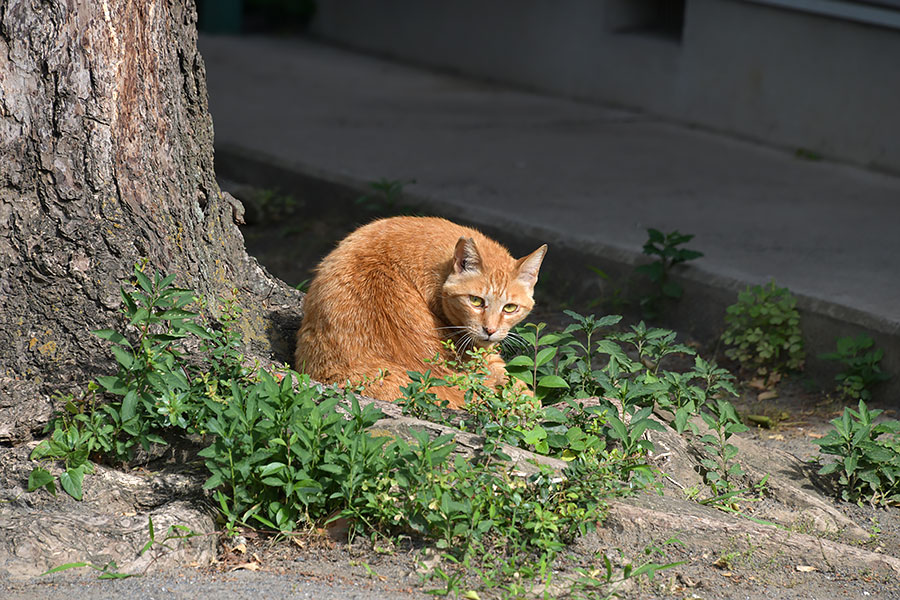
{"x":489,"y":331}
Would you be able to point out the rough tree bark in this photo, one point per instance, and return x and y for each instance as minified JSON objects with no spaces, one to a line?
{"x":107,"y":158}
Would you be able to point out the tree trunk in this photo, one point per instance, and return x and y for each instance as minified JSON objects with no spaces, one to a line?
{"x":107,"y":149}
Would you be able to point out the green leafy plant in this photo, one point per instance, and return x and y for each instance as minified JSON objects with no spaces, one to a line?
{"x":285,"y":453}
{"x":284,"y":456}
{"x":860,"y":369}
{"x":868,"y":465}
{"x":527,"y":367}
{"x":155,"y":388}
{"x":613,"y":299}
{"x":385,"y":196}
{"x":762,"y":330}
{"x":721,"y":468}
{"x":418,"y":400}
{"x":664,"y":246}
{"x":686,"y":394}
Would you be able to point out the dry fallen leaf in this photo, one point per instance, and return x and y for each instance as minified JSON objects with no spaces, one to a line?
{"x":777,"y":436}
{"x":806,"y":568}
{"x":338,"y":529}
{"x":814,"y":435}
{"x":242,"y":548}
{"x":249,"y":566}
{"x":757,"y":384}
{"x":767,"y":395}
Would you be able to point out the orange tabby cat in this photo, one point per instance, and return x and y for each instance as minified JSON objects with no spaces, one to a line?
{"x":393,"y":290}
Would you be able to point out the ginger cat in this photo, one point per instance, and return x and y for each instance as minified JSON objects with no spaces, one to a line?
{"x":393,"y":290}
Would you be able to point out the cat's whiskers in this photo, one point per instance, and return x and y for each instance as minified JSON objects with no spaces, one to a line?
{"x":453,"y":332}
{"x":457,"y":327}
{"x":466,"y":340}
{"x":515,"y":340}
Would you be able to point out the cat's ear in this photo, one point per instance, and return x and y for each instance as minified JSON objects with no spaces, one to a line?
{"x":466,"y":256}
{"x":529,"y":266}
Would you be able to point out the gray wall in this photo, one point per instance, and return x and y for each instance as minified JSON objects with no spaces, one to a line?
{"x":786,"y":78}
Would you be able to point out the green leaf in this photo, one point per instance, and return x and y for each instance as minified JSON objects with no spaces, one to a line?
{"x":130,"y":305}
{"x":129,"y":405}
{"x":681,"y":419}
{"x":140,"y":315}
{"x":113,"y":384}
{"x":270,"y":468}
{"x":72,"y":565}
{"x":39,"y":478}
{"x":653,"y":270}
{"x":143,"y":281}
{"x":176,"y":313}
{"x":123,"y":357}
{"x":200,"y":332}
{"x":71,"y":482}
{"x":554,"y":415}
{"x":618,"y":429}
{"x":535,"y":435}
{"x":520,"y":361}
{"x":613,"y":349}
{"x":544,"y":356}
{"x":116,"y":574}
{"x":552,"y":381}
{"x":166,"y":281}
{"x":113,"y":336}
{"x":214,"y":481}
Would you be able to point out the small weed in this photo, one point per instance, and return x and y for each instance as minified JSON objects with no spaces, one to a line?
{"x":721,"y":468}
{"x":665,"y":246}
{"x":614,"y":301}
{"x":527,"y":367}
{"x":860,"y":369}
{"x":762,"y":330}
{"x":608,"y":578}
{"x":807,"y":154}
{"x":419,"y":401}
{"x":268,"y":205}
{"x":868,"y":465}
{"x":727,"y":561}
{"x":385,"y":196}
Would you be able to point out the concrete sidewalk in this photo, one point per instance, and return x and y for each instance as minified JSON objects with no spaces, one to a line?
{"x":583,"y":175}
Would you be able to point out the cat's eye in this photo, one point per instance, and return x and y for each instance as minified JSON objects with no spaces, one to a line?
{"x":476,"y":301}
{"x":510,"y":308}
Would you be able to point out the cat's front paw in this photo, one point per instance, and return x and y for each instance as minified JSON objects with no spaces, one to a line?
{"x":521,"y":388}
{"x":497,"y":375}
